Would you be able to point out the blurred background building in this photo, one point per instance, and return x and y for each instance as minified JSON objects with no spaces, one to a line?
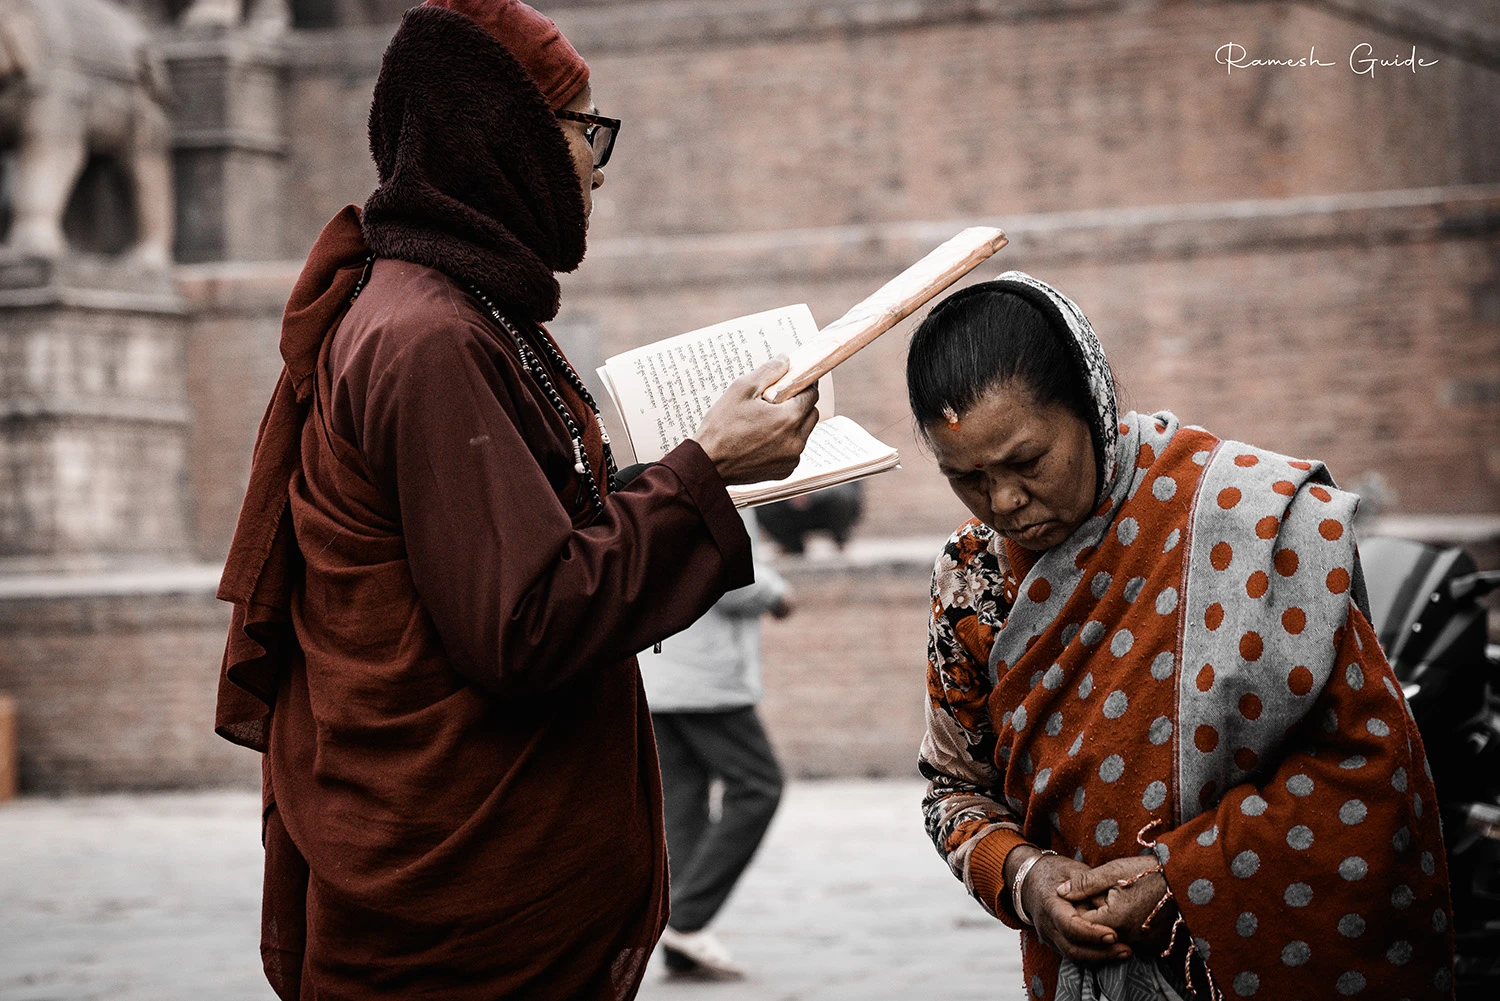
{"x":1304,"y":257}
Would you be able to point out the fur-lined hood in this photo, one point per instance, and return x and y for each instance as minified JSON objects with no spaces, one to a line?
{"x":476,"y":179}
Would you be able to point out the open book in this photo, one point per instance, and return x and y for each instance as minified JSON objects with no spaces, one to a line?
{"x":663,"y":390}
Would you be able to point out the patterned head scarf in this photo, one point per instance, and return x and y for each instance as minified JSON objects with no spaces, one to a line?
{"x":1088,"y":355}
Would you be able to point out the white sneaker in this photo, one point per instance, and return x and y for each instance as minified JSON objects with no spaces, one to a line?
{"x":709,"y":957}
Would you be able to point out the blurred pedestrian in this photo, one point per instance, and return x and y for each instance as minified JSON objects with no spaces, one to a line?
{"x":702,"y":688}
{"x":439,"y":584}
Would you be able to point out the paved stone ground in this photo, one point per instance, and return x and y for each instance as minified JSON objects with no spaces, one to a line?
{"x":156,"y":898}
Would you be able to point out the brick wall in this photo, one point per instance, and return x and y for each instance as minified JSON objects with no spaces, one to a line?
{"x":764,"y":122}
{"x":756,"y":117}
{"x":233,"y":363}
{"x":1362,"y":331}
{"x":116,"y":691}
{"x":1125,"y":107}
{"x":846,"y":674}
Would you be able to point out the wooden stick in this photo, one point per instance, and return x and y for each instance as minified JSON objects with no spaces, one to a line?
{"x":889,"y":305}
{"x":9,"y":777}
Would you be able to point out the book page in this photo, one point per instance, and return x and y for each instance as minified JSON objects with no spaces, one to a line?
{"x":838,"y":450}
{"x":663,"y":390}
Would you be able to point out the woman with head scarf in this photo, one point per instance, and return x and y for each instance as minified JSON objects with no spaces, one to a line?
{"x":438,"y":578}
{"x":1162,"y":738}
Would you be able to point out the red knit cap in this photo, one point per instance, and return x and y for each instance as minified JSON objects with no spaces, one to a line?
{"x":549,"y":58}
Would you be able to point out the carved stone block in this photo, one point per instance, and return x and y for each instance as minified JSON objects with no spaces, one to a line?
{"x":93,"y":417}
{"x":228,"y":147}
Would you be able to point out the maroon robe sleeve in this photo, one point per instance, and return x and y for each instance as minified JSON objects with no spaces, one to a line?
{"x":522,"y":600}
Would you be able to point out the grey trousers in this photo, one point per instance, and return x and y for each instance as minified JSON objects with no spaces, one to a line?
{"x":707,"y":856}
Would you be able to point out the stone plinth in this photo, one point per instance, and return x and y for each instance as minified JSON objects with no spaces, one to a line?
{"x":93,"y":414}
{"x":228,"y":145}
{"x":114,"y":677}
{"x":109,"y":640}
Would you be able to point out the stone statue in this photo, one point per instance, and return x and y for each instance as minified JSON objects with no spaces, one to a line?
{"x":77,"y":77}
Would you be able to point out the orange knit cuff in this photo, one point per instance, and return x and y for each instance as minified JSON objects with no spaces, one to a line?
{"x":987,"y":872}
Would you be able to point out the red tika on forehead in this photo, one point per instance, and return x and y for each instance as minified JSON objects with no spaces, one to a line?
{"x":549,"y":58}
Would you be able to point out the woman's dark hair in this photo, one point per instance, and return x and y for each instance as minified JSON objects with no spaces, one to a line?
{"x":986,"y":335}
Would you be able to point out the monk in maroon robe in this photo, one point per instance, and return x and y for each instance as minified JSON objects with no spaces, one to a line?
{"x":437,"y":588}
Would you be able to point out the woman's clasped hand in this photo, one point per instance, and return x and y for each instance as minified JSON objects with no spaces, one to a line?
{"x":1062,"y":923}
{"x":1099,"y":914}
{"x":1127,"y":895}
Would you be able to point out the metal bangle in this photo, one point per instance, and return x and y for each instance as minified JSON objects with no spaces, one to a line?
{"x":1020,"y":880}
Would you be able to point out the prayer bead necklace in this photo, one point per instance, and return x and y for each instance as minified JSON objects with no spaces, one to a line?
{"x":538,"y":372}
{"x":534,"y":367}
{"x":364,"y":278}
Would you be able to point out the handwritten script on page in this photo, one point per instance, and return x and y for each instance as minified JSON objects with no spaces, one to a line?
{"x":664,"y":390}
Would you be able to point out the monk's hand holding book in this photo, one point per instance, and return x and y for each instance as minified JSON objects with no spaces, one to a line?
{"x":666,"y":389}
{"x":750,"y":439}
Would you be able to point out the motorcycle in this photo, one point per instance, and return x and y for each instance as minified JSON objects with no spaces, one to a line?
{"x":1425,"y":604}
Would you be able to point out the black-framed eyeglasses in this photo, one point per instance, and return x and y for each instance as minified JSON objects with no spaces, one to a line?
{"x":600,"y":133}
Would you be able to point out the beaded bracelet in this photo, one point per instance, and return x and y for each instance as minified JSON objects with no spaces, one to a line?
{"x":1016,"y":884}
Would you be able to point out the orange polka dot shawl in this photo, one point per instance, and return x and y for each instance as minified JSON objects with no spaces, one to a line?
{"x":1193,"y":662}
